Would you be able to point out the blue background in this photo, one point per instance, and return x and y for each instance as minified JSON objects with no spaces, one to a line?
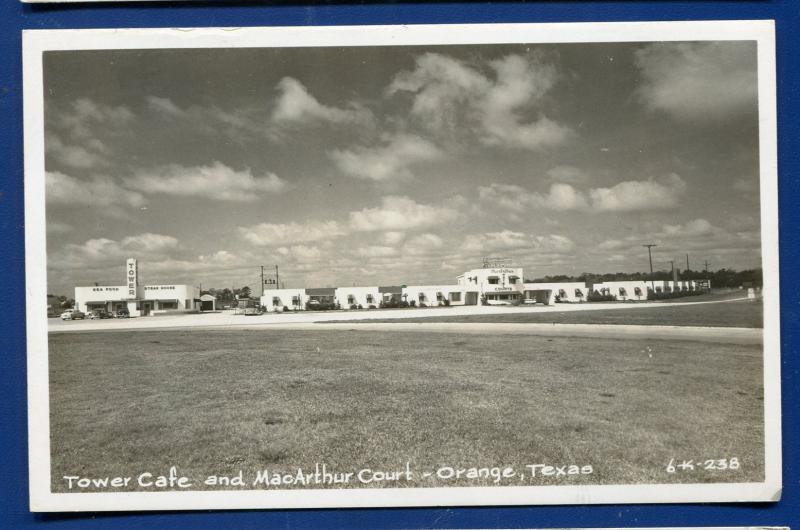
{"x":15,"y":16}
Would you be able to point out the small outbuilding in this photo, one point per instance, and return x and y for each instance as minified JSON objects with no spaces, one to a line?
{"x":208,"y":302}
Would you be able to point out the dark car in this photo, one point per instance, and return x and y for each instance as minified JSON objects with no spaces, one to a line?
{"x":72,"y":314}
{"x":99,"y":314}
{"x":122,"y":313}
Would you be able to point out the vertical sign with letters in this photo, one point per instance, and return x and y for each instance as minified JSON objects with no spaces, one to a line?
{"x":131,"y":277}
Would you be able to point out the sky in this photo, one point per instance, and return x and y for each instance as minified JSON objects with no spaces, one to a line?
{"x":398,"y":165}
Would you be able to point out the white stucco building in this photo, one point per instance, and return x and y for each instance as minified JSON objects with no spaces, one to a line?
{"x":498,"y":285}
{"x":139,"y":300}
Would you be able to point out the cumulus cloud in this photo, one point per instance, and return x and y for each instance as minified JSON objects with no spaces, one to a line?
{"x":449,"y":94}
{"x":216,"y":181}
{"x":635,"y":195}
{"x":392,"y":237}
{"x":517,"y":199}
{"x":164,"y":106}
{"x":296,"y":105}
{"x":386,"y":162}
{"x":76,"y":132}
{"x":300,"y":252}
{"x":99,"y":191}
{"x":98,"y":251}
{"x":275,"y":234}
{"x":627,"y":196}
{"x":80,"y":119}
{"x":237,"y":124}
{"x":400,"y":213}
{"x":696,"y":227}
{"x":422,"y":244}
{"x":90,"y":153}
{"x":220,"y":257}
{"x":376,"y":251}
{"x":510,"y":240}
{"x":696,"y":234}
{"x":699,"y":80}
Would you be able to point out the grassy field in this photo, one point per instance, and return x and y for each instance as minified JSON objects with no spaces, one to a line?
{"x":219,"y":401}
{"x":743,"y":313}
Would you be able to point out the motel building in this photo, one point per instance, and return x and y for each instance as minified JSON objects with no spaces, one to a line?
{"x":490,"y":285}
{"x":139,"y":300}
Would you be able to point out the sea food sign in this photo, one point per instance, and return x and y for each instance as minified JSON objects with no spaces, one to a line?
{"x":132,"y":277}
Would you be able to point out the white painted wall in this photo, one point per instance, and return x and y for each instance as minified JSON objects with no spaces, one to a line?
{"x":629,"y":288}
{"x":347,"y":296}
{"x":286,"y":297}
{"x":104,"y":294}
{"x":164,"y":294}
{"x":431,"y":292}
{"x":555,"y":289}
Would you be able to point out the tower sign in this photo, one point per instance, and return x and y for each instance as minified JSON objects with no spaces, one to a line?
{"x":132,"y":277}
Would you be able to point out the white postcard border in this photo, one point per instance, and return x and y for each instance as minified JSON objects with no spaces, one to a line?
{"x":35,"y":42}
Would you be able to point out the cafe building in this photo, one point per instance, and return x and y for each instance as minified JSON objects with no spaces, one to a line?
{"x":139,"y":300}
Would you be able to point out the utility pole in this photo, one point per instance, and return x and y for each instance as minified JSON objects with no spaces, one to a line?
{"x":650,"y":255}
{"x":277,"y":278}
{"x":706,"y":267}
{"x":672,"y":273}
{"x":262,"y":280}
{"x":687,"y":262}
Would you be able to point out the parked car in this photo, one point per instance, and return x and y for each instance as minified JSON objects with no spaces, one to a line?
{"x":122,"y":313}
{"x":72,"y":314}
{"x":99,"y":314}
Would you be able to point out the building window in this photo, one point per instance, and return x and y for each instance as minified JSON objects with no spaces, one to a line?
{"x":658,"y":289}
{"x":455,"y":297}
{"x":637,"y":291}
{"x":295,"y":300}
{"x":494,"y":280}
{"x":623,"y":292}
{"x":513,"y":279}
{"x":168,"y":305}
{"x":370,"y":299}
{"x":351,"y":299}
{"x":439,"y":297}
{"x":276,"y":301}
{"x":421,"y":297}
{"x":578,"y":293}
{"x":562,"y":293}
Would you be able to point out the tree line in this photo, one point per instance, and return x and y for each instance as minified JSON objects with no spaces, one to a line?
{"x":720,"y":278}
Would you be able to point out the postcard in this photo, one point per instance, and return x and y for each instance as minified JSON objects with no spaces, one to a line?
{"x":499,"y":264}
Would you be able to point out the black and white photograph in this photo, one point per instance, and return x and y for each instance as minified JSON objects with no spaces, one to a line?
{"x":402,"y":266}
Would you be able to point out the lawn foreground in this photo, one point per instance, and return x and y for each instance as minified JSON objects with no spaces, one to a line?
{"x":217,"y":402}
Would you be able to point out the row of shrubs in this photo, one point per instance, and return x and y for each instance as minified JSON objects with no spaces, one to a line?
{"x":389,"y":304}
{"x":651,"y":295}
{"x":593,"y":296}
{"x":674,"y":294}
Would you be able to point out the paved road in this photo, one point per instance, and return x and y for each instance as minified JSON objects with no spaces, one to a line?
{"x":608,"y":331}
{"x":308,"y":319}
